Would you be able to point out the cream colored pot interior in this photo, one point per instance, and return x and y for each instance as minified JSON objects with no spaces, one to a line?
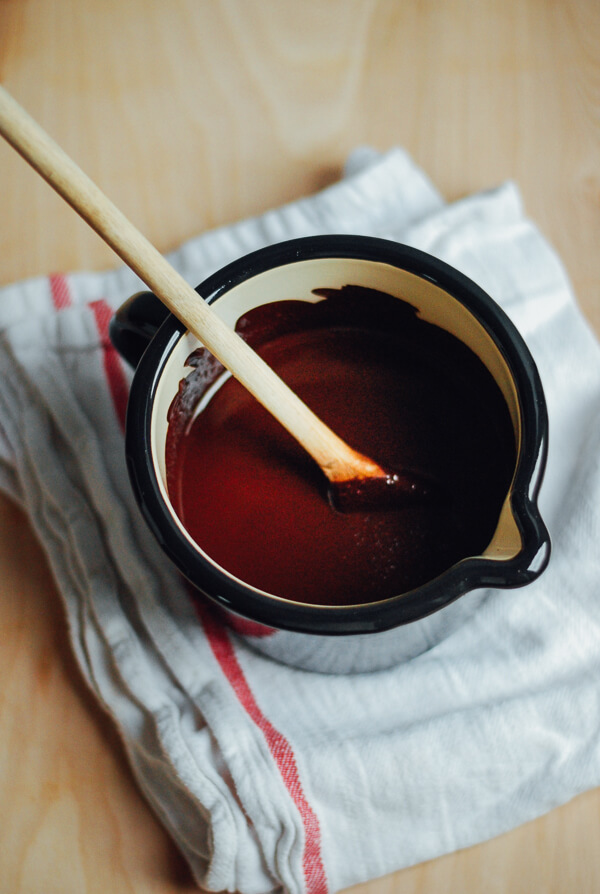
{"x":297,"y":281}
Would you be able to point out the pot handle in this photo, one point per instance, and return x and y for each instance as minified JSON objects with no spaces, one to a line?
{"x":133,"y":326}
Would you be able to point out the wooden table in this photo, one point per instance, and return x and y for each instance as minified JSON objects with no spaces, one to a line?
{"x":195,"y":114}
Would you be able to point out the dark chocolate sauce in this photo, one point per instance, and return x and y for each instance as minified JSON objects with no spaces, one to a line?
{"x":390,"y":490}
{"x":396,"y":388}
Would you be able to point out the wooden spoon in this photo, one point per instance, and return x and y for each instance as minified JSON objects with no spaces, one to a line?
{"x":354,"y":479}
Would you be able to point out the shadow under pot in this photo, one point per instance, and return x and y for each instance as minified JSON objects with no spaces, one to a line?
{"x":413,"y":365}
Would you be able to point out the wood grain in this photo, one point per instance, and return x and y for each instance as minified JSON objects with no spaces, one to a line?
{"x":191,"y":115}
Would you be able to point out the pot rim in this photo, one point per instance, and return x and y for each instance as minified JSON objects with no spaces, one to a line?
{"x":466,"y":575}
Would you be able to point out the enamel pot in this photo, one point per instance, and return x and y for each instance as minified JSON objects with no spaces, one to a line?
{"x":341,"y":638}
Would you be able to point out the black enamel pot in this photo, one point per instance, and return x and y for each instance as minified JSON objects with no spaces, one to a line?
{"x":352,"y":637}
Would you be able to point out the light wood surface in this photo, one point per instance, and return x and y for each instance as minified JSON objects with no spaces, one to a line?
{"x":193,"y":114}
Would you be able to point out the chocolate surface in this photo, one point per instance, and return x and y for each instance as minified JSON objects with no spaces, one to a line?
{"x":396,"y":388}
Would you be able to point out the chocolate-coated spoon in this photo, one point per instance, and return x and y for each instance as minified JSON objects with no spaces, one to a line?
{"x":347,"y":471}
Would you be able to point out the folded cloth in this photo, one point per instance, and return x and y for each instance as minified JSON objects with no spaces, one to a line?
{"x":270,"y":778}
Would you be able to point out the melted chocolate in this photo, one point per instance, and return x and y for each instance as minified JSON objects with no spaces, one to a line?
{"x":396,"y":388}
{"x":391,"y":490}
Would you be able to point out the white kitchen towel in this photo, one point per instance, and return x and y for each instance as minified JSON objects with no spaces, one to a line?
{"x":271,"y":778}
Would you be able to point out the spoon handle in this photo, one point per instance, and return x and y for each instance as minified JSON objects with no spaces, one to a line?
{"x":337,"y":460}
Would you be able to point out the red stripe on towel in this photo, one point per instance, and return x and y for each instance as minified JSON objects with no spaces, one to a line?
{"x":59,"y":289}
{"x":280,"y":748}
{"x":115,"y":376}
